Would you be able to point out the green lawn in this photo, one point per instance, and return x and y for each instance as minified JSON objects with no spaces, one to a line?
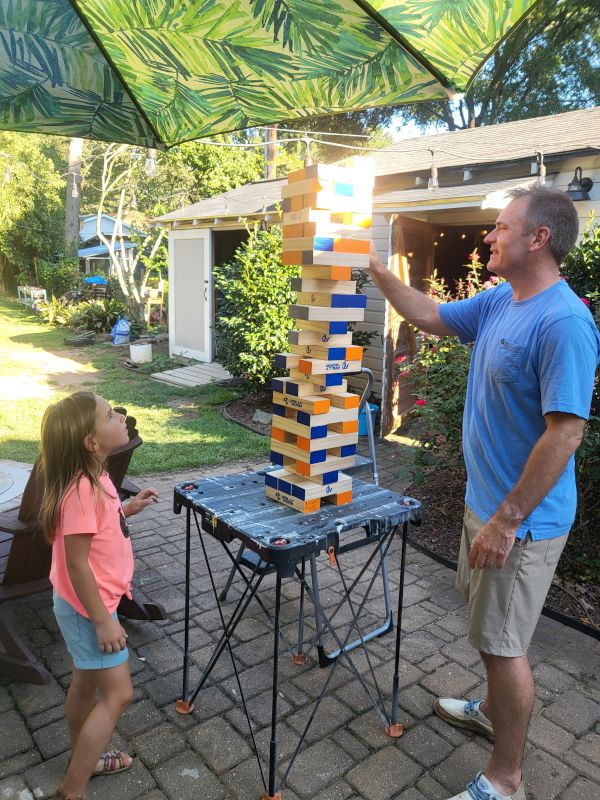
{"x":36,"y":368}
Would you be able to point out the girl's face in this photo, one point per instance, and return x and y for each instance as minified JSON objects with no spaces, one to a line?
{"x":110,"y":430}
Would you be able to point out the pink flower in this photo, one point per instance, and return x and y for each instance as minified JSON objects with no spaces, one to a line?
{"x":401,"y":359}
{"x":404,"y":373}
{"x":420,"y":402}
{"x":494,"y":279}
{"x":471,"y":256}
{"x":585,"y":300}
{"x":434,"y":349}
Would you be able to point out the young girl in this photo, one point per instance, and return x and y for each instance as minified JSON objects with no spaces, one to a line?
{"x":92,"y":568}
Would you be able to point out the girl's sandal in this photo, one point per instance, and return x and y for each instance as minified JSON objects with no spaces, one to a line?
{"x":113,"y":762}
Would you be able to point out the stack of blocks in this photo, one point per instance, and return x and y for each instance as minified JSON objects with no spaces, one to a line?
{"x":327,"y":230}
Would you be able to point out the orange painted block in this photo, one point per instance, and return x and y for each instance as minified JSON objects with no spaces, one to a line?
{"x":343,"y":400}
{"x":354,"y":353}
{"x":351,"y":426}
{"x":303,"y":443}
{"x":339,"y":499}
{"x":278,"y":434}
{"x":293,"y":231}
{"x":291,"y":257}
{"x":297,"y":175}
{"x":297,"y":203}
{"x":361,"y":246}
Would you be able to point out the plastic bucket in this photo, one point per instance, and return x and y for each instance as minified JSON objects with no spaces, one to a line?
{"x":140,"y":353}
{"x":362,"y":419}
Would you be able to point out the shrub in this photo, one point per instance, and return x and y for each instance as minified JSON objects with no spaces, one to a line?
{"x":57,"y":311}
{"x":58,"y":277}
{"x":582,"y":271}
{"x":253,"y":321}
{"x":97,"y":315}
{"x":440,"y":368}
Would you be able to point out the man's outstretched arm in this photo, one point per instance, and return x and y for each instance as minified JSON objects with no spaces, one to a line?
{"x":417,"y":308}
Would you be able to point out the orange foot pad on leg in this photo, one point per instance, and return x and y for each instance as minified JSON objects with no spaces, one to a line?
{"x":395,"y":731}
{"x":299,"y":658}
{"x":272,"y":796}
{"x":183,"y":707}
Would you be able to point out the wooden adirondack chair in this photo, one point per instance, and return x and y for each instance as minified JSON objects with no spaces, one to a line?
{"x":25,"y":563}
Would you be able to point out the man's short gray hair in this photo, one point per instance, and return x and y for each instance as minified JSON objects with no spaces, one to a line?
{"x":553,"y":209}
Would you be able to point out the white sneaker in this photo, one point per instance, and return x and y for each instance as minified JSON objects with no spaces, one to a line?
{"x":482,"y":789}
{"x":463,"y":714}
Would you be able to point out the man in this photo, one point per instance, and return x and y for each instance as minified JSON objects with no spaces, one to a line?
{"x":528,"y":397}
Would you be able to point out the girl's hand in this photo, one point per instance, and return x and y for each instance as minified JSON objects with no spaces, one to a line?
{"x":111,"y":636}
{"x":140,"y":501}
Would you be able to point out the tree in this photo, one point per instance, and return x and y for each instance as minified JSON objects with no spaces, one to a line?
{"x":547,"y":65}
{"x":31,"y":204}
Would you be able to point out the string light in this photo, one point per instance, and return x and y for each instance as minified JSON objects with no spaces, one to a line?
{"x":541,"y":167}
{"x":433,"y":182}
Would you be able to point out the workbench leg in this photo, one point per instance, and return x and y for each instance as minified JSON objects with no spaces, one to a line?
{"x":396,"y":728}
{"x":273,"y":746}
{"x":182,"y":705}
{"x":299,"y":657}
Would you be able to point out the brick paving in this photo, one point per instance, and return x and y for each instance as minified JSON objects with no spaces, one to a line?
{"x":346,"y":755}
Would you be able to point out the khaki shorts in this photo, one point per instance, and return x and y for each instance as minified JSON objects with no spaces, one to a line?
{"x":505,"y":604}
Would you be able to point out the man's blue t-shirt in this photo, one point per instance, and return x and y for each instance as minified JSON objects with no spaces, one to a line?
{"x":530,"y":357}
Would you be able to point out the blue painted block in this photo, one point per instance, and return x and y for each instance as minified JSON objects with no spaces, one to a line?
{"x":284,"y":486}
{"x":336,"y":327}
{"x":319,"y":432}
{"x":277,"y":385}
{"x":318,"y":456}
{"x":348,"y":300}
{"x":270,"y":481}
{"x":298,"y":492}
{"x":332,"y":380}
{"x":292,"y":388}
{"x":323,"y":243}
{"x":279,"y":410}
{"x":331,"y":477}
{"x":276,"y":458}
{"x":344,"y":189}
{"x":336,"y":354}
{"x":303,"y":417}
{"x":347,"y":450}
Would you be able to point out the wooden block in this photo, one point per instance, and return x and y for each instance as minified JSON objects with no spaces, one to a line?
{"x":328,"y":353}
{"x":293,"y":231}
{"x":299,"y":175}
{"x":323,"y":327}
{"x":353,"y":260}
{"x":313,"y":405}
{"x":362,"y":203}
{"x":304,"y":488}
{"x":328,"y":442}
{"x":289,"y":425}
{"x":331,"y":300}
{"x":326,"y":273}
{"x":315,"y":366}
{"x":306,"y":215}
{"x":312,"y":337}
{"x":302,"y":229}
{"x":333,"y":244}
{"x":298,"y":453}
{"x":307,"y":186}
{"x":344,"y":219}
{"x":333,"y":416}
{"x":286,"y":360}
{"x":321,"y":383}
{"x":344,"y":400}
{"x":351,"y":426}
{"x":304,"y":506}
{"x":335,"y":287}
{"x":313,"y":471}
{"x":312,"y":258}
{"x":325,"y":314}
{"x":298,"y":388}
{"x":339,"y":499}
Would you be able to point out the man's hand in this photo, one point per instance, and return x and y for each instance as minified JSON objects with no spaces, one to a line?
{"x":139,"y":502}
{"x":375,"y":264}
{"x":111,"y":636}
{"x":492,"y":545}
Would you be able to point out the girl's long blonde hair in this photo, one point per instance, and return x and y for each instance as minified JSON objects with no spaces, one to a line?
{"x":64,"y":458}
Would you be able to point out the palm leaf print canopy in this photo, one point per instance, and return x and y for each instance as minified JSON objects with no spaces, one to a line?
{"x":159,"y":72}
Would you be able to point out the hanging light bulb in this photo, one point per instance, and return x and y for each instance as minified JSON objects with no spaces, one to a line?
{"x":150,"y":165}
{"x":541,"y":168}
{"x":74,"y":188}
{"x":442,"y":234}
{"x":463,"y":236}
{"x":433,"y":182}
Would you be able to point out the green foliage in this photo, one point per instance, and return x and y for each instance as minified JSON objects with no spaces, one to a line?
{"x":440,"y":369}
{"x":58,"y":276}
{"x":57,"y":311}
{"x":546,"y":66}
{"x":253,"y":323}
{"x":97,"y":315}
{"x":582,"y":272}
{"x":31,"y":202}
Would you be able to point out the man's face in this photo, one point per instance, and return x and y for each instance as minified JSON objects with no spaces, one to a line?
{"x":509,"y":243}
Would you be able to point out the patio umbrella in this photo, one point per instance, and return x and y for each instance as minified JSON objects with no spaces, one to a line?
{"x":159,"y":72}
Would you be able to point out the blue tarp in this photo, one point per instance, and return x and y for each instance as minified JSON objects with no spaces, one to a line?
{"x":101,"y":250}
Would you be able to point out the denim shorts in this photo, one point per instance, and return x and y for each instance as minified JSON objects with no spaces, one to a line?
{"x":79,"y":634}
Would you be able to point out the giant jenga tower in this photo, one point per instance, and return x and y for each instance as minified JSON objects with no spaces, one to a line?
{"x":327,"y":230}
